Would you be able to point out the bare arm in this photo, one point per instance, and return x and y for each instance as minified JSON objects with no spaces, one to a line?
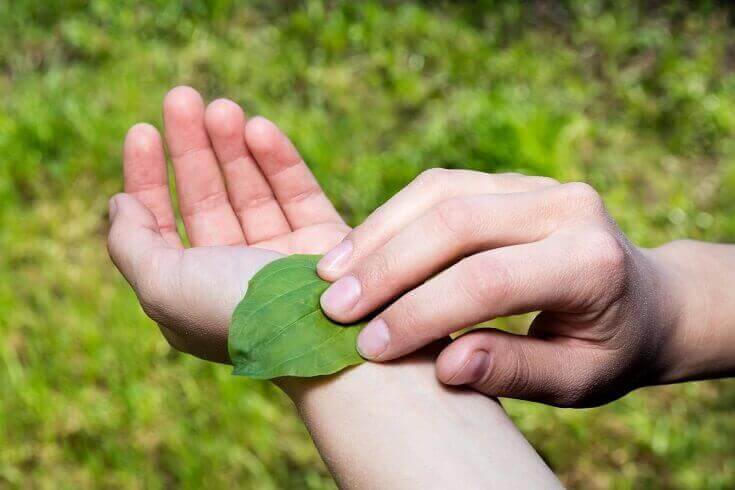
{"x":395,"y":426}
{"x":376,"y":426}
{"x":700,"y":279}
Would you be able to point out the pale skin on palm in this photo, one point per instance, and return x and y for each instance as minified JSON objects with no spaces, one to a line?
{"x":246,"y":198}
{"x":238,"y":183}
{"x":456,"y":248}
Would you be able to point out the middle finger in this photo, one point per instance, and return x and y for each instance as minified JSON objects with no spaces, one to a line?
{"x":205,"y":208}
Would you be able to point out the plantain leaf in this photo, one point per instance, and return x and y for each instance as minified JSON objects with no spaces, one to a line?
{"x":279,"y":328}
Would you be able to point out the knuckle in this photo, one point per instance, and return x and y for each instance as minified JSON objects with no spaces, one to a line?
{"x":518,"y":372}
{"x":404,"y":320}
{"x":432,"y":178}
{"x":484,"y":280}
{"x":377,"y":269}
{"x":453,"y":216}
{"x":511,"y":377}
{"x":609,"y":255}
{"x":546,"y":181}
{"x":537,"y":179}
{"x":583,"y":195}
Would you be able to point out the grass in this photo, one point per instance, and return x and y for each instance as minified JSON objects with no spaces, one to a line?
{"x":636,"y":98}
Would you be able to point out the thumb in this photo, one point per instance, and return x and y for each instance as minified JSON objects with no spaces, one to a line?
{"x":134,"y":242}
{"x":502,"y":364}
{"x":140,"y":252}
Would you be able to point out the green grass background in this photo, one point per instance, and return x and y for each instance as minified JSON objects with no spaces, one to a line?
{"x":636,"y":98}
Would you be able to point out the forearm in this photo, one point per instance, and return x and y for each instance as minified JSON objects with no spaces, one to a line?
{"x":700,"y":291}
{"x":395,"y":426}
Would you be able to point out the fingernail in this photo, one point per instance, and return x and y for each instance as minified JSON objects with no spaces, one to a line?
{"x":341,"y":296}
{"x":473,"y":370}
{"x":374,"y":339}
{"x":112,"y":209}
{"x":337,"y":258}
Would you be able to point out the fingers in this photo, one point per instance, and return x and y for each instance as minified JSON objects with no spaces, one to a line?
{"x":237,"y":182}
{"x":297,"y":191}
{"x":137,"y":247}
{"x":146,"y":179}
{"x":203,"y":202}
{"x":449,"y":231}
{"x":516,"y":366}
{"x":560,"y":273}
{"x":427,"y":190}
{"x":250,"y":195}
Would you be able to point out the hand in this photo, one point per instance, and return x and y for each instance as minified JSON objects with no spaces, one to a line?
{"x":245,"y":196}
{"x":456,"y":248}
{"x":264,"y":196}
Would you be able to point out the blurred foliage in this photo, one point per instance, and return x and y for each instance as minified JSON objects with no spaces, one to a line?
{"x":637,"y":98}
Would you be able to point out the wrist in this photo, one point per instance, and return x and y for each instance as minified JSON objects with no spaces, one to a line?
{"x":309,"y":393}
{"x":670,"y":293}
{"x":694,"y":297}
{"x":394,"y":425}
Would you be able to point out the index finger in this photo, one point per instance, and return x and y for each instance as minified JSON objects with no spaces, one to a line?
{"x":559,"y":273}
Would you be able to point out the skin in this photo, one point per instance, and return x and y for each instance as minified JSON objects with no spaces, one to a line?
{"x":247,"y":198}
{"x":238,"y":183}
{"x":456,"y":248}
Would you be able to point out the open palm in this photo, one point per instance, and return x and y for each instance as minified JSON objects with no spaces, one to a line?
{"x":245,"y":197}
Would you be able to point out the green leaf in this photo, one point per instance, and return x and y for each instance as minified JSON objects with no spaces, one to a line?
{"x":279,"y":328}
